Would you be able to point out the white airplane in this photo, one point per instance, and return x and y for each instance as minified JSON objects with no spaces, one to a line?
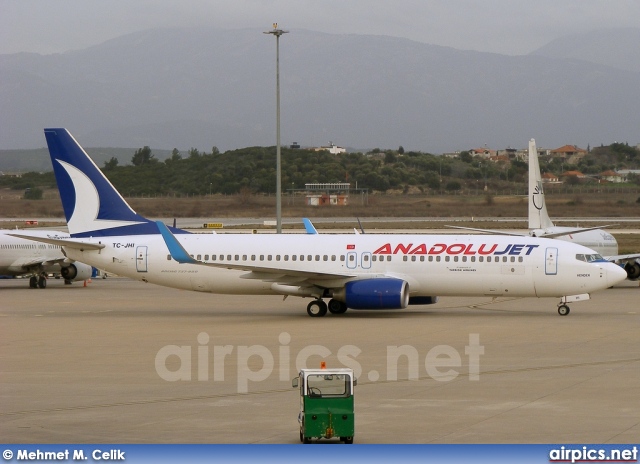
{"x":357,"y":271}
{"x":24,"y":257}
{"x":540,"y":225}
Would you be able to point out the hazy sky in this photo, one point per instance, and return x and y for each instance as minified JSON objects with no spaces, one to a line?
{"x":503,"y":26}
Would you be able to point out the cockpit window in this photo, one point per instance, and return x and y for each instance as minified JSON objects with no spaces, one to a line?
{"x":589,"y":258}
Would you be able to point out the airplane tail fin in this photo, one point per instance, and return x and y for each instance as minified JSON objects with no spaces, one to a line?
{"x":538,"y":216}
{"x":92,"y":205}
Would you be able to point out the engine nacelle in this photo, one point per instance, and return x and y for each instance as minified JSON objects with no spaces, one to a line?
{"x":633,"y":270}
{"x":423,"y":300}
{"x":76,"y":271}
{"x":376,"y":294}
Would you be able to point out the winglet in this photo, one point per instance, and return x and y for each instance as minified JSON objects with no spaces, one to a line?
{"x":176,"y":250}
{"x":309,"y":227}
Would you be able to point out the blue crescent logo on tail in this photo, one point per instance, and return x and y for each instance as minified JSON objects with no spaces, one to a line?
{"x":537,"y":197}
{"x":87,"y":206}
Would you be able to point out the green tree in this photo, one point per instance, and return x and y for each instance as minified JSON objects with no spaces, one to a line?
{"x":111,"y":164}
{"x":142,"y":156}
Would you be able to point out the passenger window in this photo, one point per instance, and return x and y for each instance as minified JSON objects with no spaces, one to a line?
{"x":318,"y":258}
{"x":422,"y":259}
{"x":206,"y":257}
{"x":310,"y":258}
{"x":504,"y":259}
{"x":488,"y":259}
{"x":520,"y":259}
{"x":228,"y":257}
{"x":169,"y":257}
{"x":293,"y":258}
{"x":464,"y":259}
{"x":404,"y":258}
{"x":513,"y":259}
{"x":389,"y":258}
{"x":455,"y":258}
{"x":199,"y":258}
{"x":237,"y":257}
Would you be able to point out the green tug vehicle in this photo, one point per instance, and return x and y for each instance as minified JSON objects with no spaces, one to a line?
{"x":326,"y":404}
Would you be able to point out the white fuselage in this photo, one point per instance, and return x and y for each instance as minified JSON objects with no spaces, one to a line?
{"x":19,"y":256}
{"x":433,"y":265}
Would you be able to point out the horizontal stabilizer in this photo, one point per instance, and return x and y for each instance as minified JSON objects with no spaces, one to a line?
{"x":67,"y":243}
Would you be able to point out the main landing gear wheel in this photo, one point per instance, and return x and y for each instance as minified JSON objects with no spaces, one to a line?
{"x":563,"y":310}
{"x":33,"y":282}
{"x":317,"y":308}
{"x":337,"y":307}
{"x":42,"y":282}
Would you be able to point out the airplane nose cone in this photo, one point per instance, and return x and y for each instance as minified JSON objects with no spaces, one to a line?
{"x":615,"y":274}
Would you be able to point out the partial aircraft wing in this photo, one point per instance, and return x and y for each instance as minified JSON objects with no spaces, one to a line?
{"x":309,"y":227}
{"x":622,"y":257}
{"x":534,"y":233}
{"x":488,"y":231}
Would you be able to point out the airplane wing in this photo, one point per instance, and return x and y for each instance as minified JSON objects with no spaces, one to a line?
{"x":69,"y":243}
{"x":571,"y":231}
{"x":622,"y":257}
{"x":268,"y":274}
{"x":488,"y":231}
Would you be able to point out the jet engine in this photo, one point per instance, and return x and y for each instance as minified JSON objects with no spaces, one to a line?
{"x":633,"y":270}
{"x":76,"y":271}
{"x":383,"y":293}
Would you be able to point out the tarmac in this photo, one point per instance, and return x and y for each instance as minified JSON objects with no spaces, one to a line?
{"x":120,"y":361}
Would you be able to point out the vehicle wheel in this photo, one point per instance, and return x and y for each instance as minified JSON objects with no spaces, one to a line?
{"x":33,"y":282}
{"x":337,"y":307}
{"x":301,"y":436}
{"x":42,"y":282}
{"x":317,"y":308}
{"x":347,"y":440}
{"x":563,"y":310}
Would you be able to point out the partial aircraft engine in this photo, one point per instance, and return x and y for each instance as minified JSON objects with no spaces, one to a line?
{"x":633,"y":270}
{"x":76,"y":271}
{"x":376,"y":294}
